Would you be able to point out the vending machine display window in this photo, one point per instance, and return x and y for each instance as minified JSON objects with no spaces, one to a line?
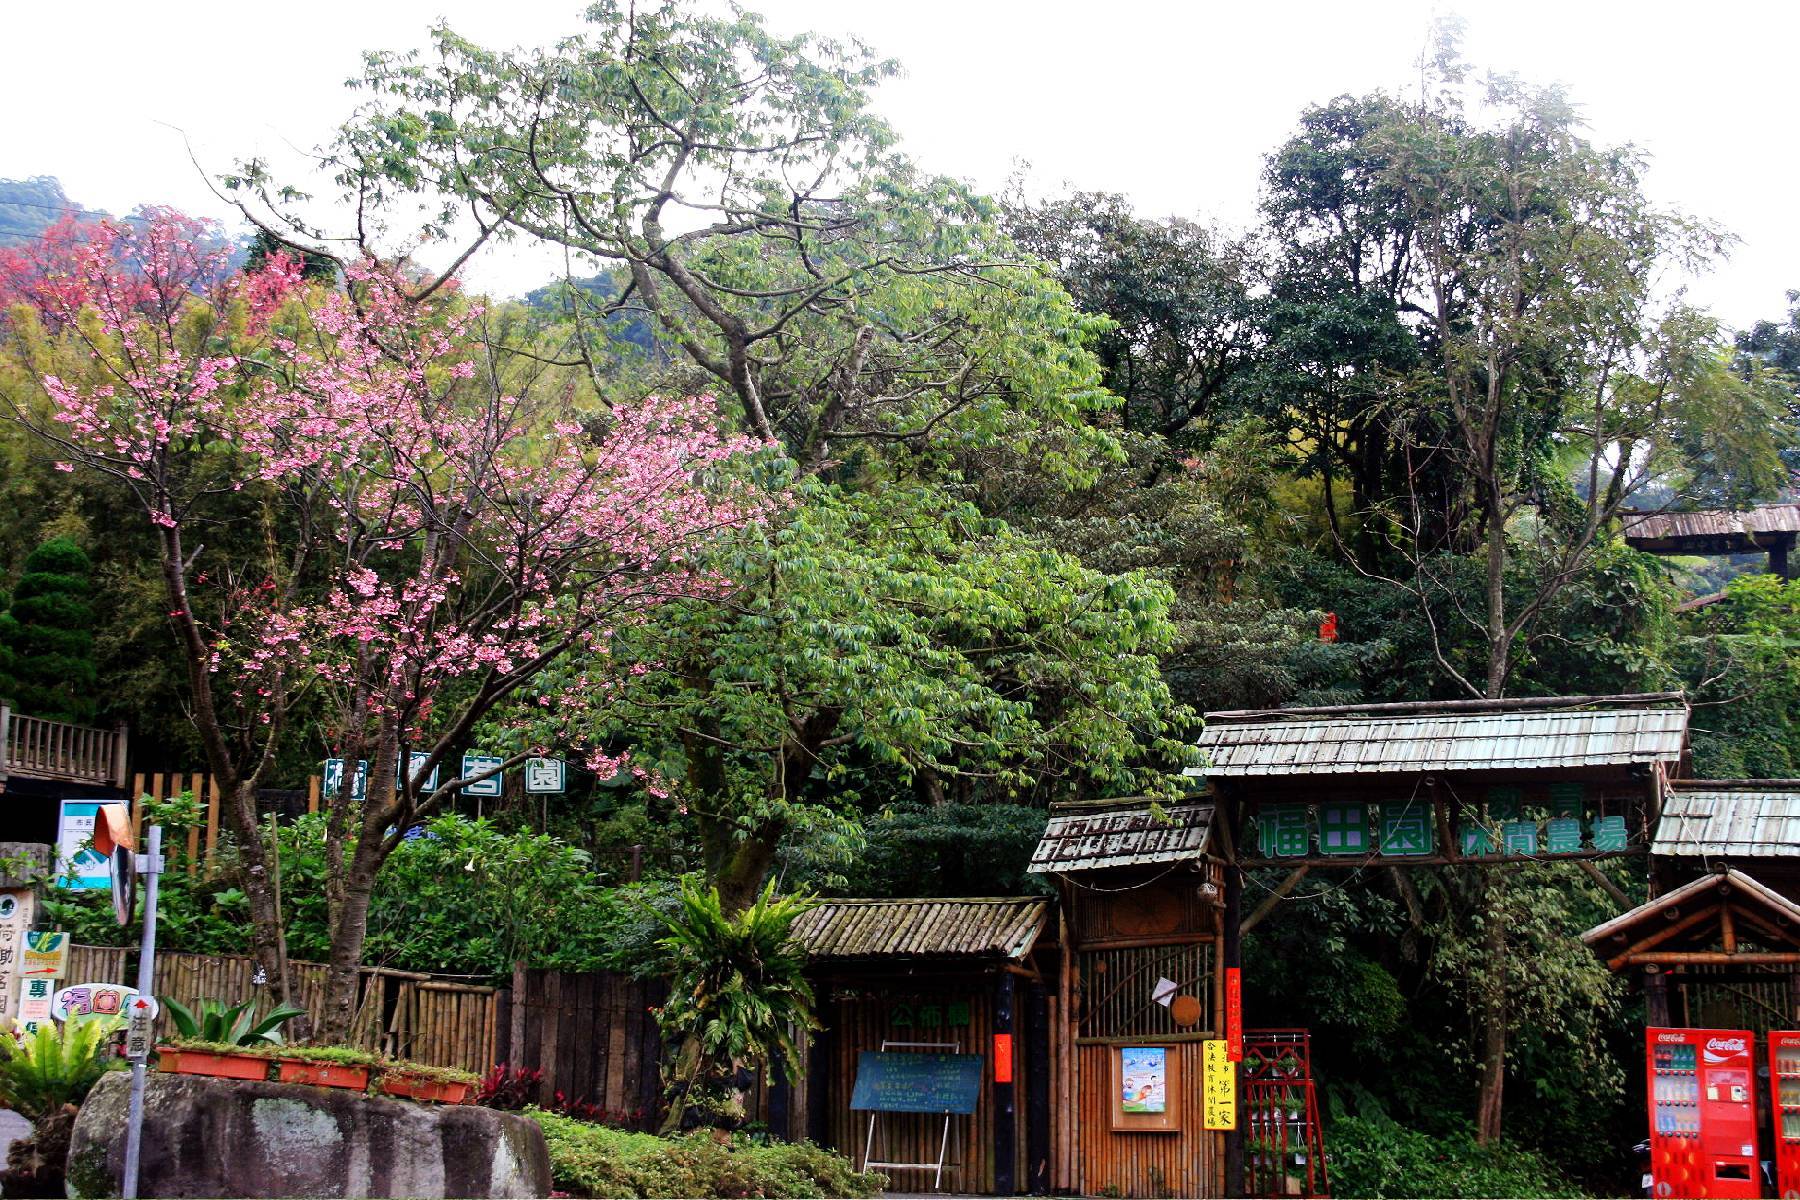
{"x":1784,"y":1088}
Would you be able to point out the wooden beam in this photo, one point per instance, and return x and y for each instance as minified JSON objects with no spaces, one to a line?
{"x":1714,"y":958}
{"x":1608,"y":886}
{"x":1727,"y":930}
{"x":1662,"y":935}
{"x":1281,"y":892}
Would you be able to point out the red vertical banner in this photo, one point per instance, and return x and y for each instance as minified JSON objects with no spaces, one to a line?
{"x":1003,"y":1058}
{"x":1234,"y":1014}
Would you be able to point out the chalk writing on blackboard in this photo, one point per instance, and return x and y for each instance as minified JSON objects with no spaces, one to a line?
{"x":921,"y":1083}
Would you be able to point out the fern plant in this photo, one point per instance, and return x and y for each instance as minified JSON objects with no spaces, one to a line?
{"x":55,"y":1064}
{"x":738,"y":998}
{"x":233,"y":1026}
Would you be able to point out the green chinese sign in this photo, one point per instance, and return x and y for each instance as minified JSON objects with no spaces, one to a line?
{"x":1505,"y":825}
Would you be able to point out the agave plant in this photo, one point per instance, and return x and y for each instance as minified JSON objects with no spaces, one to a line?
{"x":737,"y":998}
{"x":55,"y":1064}
{"x":233,"y":1026}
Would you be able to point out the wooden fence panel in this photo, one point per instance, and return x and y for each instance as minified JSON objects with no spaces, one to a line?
{"x":95,"y":964}
{"x":594,"y":1037}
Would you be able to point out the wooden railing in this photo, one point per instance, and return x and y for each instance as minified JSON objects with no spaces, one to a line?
{"x":41,"y":749}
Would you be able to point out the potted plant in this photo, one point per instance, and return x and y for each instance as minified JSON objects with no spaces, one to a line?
{"x":220,"y":1040}
{"x":324,"y":1066}
{"x":211,"y":1058}
{"x":416,"y":1081}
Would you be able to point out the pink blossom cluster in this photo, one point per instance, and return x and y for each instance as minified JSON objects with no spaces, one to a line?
{"x":467,"y":533}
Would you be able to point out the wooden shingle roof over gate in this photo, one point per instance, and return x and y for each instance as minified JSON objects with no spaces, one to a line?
{"x":1472,"y":735}
{"x":1096,"y":837}
{"x":997,"y":927}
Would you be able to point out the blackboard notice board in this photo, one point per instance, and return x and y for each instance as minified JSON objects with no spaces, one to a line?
{"x":918,"y":1083}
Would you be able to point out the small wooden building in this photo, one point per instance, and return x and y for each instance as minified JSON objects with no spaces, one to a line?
{"x":1717,"y":945}
{"x":970,"y":976}
{"x":1139,"y":992}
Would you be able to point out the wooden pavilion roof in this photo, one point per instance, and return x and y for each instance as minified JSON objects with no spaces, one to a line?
{"x":1725,"y":909}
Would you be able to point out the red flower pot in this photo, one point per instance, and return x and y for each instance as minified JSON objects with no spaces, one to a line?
{"x":323,"y":1074}
{"x":219,"y":1066}
{"x":417,"y":1087}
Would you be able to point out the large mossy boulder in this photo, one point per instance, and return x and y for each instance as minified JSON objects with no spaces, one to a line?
{"x":225,"y":1137}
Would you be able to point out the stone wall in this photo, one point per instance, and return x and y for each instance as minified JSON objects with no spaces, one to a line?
{"x":209,"y":1137}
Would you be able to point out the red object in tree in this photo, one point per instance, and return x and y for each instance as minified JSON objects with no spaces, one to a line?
{"x":1702,"y":1097}
{"x":1328,"y":628}
{"x":1003,"y":1072}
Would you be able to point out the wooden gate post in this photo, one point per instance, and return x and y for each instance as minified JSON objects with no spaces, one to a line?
{"x":1006,"y":1133}
{"x":1037,"y":1088}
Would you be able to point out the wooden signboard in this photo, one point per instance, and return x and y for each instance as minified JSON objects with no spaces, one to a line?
{"x":1218,"y":1084}
{"x":916,"y":1083}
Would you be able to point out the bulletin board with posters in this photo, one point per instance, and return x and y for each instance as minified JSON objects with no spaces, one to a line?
{"x":1146,"y":1089}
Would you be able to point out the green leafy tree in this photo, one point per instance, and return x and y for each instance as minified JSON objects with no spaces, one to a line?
{"x":738,"y":997}
{"x":49,"y":636}
{"x":1179,"y":294}
{"x":1741,"y":663}
{"x":899,"y":629}
{"x":840,"y":298}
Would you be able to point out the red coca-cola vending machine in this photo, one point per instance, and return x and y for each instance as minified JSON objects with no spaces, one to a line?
{"x":1702,"y":1094}
{"x":1784,"y":1101}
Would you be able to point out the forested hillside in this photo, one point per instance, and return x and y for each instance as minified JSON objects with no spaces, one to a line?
{"x":974,"y":503}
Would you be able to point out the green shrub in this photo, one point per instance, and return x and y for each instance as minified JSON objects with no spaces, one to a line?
{"x":1381,"y":1159}
{"x":593,"y":1160}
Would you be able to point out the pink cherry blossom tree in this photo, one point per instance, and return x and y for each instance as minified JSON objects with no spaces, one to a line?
{"x":456,"y":541}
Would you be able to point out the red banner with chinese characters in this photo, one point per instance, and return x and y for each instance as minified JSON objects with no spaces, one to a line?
{"x":1234,"y":1014}
{"x":1003,"y":1064}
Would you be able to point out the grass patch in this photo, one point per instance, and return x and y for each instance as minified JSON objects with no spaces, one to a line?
{"x":593,"y":1160}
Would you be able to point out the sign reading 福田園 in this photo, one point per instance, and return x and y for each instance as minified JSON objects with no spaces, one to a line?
{"x":919,"y":1083}
{"x":1218,"y":1084}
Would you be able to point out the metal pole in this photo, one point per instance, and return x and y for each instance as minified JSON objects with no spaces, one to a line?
{"x":150,"y":866}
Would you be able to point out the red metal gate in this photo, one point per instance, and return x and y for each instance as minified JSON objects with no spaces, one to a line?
{"x":1284,"y":1151}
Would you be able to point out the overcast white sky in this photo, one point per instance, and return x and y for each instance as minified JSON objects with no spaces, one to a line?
{"x":1173,"y":104}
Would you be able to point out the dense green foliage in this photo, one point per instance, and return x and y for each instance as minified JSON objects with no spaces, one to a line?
{"x":1378,"y":1158}
{"x":462,"y":897}
{"x":48,"y":632}
{"x":593,"y":1160}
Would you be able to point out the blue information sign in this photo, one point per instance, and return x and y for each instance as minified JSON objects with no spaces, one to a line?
{"x":918,"y":1083}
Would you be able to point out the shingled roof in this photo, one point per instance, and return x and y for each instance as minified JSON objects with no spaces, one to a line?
{"x":1097,"y":836}
{"x":1587,"y":731}
{"x":1739,"y":818}
{"x":997,"y":927}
